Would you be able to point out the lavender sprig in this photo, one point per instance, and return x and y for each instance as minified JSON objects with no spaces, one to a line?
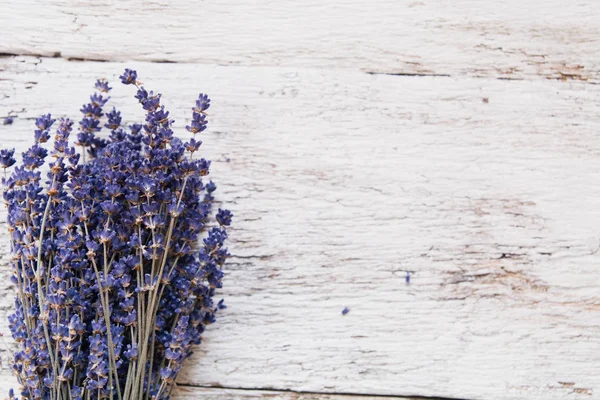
{"x":114,"y":285}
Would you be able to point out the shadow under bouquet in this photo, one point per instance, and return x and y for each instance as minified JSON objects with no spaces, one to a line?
{"x":114,"y":254}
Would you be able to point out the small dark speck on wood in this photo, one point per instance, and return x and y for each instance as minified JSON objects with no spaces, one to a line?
{"x":345,"y":311}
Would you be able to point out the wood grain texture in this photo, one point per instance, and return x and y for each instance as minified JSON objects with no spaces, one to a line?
{"x":341,"y":181}
{"x":196,"y":393}
{"x":513,"y":39}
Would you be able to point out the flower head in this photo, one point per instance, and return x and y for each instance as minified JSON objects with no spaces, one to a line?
{"x":224,"y":217}
{"x":129,"y":77}
{"x":198,"y":123}
{"x":202,"y":104}
{"x":102,"y":86}
{"x":7,"y":158}
{"x":44,"y":122}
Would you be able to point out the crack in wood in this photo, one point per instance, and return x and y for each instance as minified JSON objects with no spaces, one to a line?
{"x":417,"y":74}
{"x":30,"y":54}
{"x":562,"y":77}
{"x":315,"y":393}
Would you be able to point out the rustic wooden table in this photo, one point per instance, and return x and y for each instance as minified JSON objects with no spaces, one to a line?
{"x":355,"y":141}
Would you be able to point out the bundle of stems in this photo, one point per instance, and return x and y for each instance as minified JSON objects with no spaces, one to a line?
{"x":115,"y":255}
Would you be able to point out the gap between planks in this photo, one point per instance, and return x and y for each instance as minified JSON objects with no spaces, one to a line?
{"x":306,"y":395}
{"x":184,"y":391}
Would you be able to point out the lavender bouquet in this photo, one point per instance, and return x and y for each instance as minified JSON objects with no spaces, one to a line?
{"x":113,"y":284}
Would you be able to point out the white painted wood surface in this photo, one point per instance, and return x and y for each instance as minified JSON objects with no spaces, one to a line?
{"x":197,"y":393}
{"x":341,"y":181}
{"x":482,"y":180}
{"x":511,"y":39}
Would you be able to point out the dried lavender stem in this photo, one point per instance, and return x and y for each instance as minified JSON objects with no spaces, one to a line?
{"x":38,"y":279}
{"x":111,"y":349}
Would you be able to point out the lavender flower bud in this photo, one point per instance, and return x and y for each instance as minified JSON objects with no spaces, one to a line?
{"x":128,"y":77}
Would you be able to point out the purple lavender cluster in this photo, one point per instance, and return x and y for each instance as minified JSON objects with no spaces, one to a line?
{"x":114,"y":285}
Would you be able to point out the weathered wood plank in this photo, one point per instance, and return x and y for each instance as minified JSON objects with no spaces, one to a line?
{"x":342,"y":181}
{"x":195,"y":393}
{"x":513,"y":39}
{"x":234,"y":394}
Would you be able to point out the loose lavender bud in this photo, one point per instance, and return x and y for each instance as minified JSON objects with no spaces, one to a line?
{"x":8,"y":121}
